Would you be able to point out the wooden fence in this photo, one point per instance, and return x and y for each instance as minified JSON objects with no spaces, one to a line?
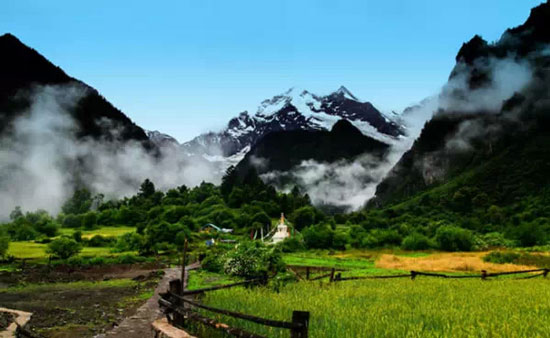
{"x":179,"y":309}
{"x":333,"y":277}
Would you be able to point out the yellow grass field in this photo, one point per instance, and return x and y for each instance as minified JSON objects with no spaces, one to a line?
{"x":446,"y":262}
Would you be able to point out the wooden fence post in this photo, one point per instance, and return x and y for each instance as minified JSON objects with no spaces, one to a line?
{"x":301,"y":319}
{"x":176,"y":287}
{"x":483,"y":274}
{"x":413,"y":275}
{"x":183,"y":258}
{"x":545,"y":273}
{"x":307,"y":273}
{"x":332,"y":275}
{"x":338,"y":276}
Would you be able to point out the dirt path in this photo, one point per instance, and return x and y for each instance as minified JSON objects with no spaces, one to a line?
{"x":139,"y":325}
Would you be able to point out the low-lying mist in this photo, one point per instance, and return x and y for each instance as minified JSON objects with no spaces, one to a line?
{"x":42,"y":160}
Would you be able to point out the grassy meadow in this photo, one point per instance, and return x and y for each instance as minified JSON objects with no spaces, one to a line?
{"x":36,"y":251}
{"x":427,"y":307}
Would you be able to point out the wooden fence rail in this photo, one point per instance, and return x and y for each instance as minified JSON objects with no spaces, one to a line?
{"x":225,"y":286}
{"x":413,"y":274}
{"x":175,"y":301}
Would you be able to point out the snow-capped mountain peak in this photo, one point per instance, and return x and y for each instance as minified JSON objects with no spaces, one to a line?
{"x":295,"y":109}
{"x":346,"y":93}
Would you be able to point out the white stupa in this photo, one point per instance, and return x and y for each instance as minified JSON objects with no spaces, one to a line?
{"x":282,"y":231}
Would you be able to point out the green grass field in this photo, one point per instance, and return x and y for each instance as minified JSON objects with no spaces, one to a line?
{"x":31,"y":250}
{"x":426,"y":307}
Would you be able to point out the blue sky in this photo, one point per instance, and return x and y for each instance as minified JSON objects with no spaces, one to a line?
{"x":185,"y":67}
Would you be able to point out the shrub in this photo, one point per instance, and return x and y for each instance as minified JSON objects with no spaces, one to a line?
{"x":292,"y":244}
{"x":72,"y":221}
{"x":381,"y":237}
{"x":63,"y":247}
{"x":77,"y":236}
{"x":99,"y":241}
{"x":452,"y":238}
{"x":130,"y":259}
{"x":253,"y":260}
{"x":496,"y":239}
{"x":417,"y":241}
{"x":318,"y":236}
{"x":129,"y":242}
{"x":213,"y":262}
{"x":89,"y":220}
{"x":499,"y":257}
{"x":303,"y":217}
{"x":530,"y":234}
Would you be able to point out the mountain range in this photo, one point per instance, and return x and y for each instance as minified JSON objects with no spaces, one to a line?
{"x":488,"y":135}
{"x":296,"y":109}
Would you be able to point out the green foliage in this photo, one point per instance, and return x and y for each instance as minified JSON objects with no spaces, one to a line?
{"x":79,"y":203}
{"x":452,"y":238}
{"x":99,"y":241}
{"x":63,"y":247}
{"x":4,"y":245}
{"x":213,"y":262}
{"x":147,"y":189}
{"x":382,"y":238}
{"x":318,"y":236}
{"x":531,"y":233}
{"x":497,"y":240}
{"x":306,"y":216}
{"x":89,"y":220}
{"x":417,"y":241}
{"x":77,"y":236}
{"x":72,"y":221}
{"x":129,"y":242}
{"x":499,"y":257}
{"x":292,"y":244}
{"x":31,"y":226}
{"x":253,"y":260}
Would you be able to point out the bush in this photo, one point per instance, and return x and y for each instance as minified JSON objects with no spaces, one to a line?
{"x":129,"y":242}
{"x":382,"y":237}
{"x":63,"y":247}
{"x":530,"y":234}
{"x":303,"y":217}
{"x":497,"y":240}
{"x":72,"y":221}
{"x":99,"y":241}
{"x":89,"y":220}
{"x":292,"y":244}
{"x":253,"y":260}
{"x":77,"y":236}
{"x":130,"y":259}
{"x":417,"y":241}
{"x":499,"y":257}
{"x":452,"y":238}
{"x":213,"y":262}
{"x":318,"y":236}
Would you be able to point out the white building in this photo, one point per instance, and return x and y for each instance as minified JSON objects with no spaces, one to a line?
{"x":282,"y":231}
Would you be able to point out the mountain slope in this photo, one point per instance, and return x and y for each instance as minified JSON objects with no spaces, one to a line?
{"x":283,"y":150}
{"x":23,"y":70}
{"x":490,"y":134}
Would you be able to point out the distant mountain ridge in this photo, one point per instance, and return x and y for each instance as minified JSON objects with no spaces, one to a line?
{"x":295,"y":109}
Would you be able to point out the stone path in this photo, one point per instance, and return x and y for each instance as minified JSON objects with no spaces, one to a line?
{"x":139,"y":325}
